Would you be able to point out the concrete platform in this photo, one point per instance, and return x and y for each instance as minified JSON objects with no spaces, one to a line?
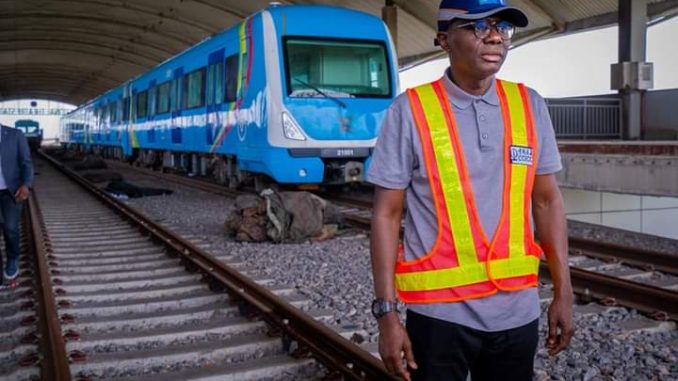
{"x":632,"y":167}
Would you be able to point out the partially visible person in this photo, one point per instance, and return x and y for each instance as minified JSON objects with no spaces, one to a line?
{"x":475,"y":158}
{"x":16,"y":177}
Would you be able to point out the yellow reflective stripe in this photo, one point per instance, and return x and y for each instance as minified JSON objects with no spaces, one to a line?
{"x":514,"y":267}
{"x":243,"y":37}
{"x":450,"y":181}
{"x":518,"y":172}
{"x":439,"y":279}
{"x":243,"y":51}
{"x":466,"y":275}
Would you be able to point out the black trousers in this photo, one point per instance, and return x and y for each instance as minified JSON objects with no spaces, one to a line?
{"x":448,"y":351}
{"x":10,"y":219}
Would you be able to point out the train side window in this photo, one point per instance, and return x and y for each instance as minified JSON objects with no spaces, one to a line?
{"x":152,"y":99}
{"x":133,"y":107}
{"x":113,"y":112}
{"x":97,"y":117}
{"x":231,"y":78}
{"x":141,"y":104}
{"x":163,"y":102}
{"x":219,"y":83}
{"x":125,"y":109}
{"x":104,"y":114}
{"x":194,"y":83}
{"x":215,"y":83}
{"x":175,"y":93}
{"x":120,"y":109}
{"x":209,"y":91}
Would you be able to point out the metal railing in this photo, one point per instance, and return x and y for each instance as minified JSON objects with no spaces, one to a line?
{"x":586,"y":118}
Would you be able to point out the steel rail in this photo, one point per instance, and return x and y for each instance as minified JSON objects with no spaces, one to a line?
{"x":54,"y":365}
{"x":195,"y":183}
{"x":191,"y":182}
{"x":327,"y":346}
{"x":633,"y":294}
{"x":347,"y":201}
{"x":664,"y":262}
{"x":647,"y":298}
{"x":643,"y":258}
{"x":653,"y":300}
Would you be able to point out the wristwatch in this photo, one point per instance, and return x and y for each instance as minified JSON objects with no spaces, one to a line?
{"x":381,"y":307}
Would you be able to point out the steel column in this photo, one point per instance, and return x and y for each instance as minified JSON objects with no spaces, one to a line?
{"x":389,"y":13}
{"x":632,"y":44}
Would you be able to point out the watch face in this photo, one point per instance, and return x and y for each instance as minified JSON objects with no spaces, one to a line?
{"x":381,"y":307}
{"x":376,"y":310}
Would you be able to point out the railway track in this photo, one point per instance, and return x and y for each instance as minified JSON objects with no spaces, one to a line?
{"x":610,"y":273}
{"x":613,"y":274}
{"x":113,"y":295}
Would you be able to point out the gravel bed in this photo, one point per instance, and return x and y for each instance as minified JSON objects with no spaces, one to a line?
{"x":336,"y":274}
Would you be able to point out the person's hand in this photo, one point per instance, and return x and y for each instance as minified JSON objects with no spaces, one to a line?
{"x":560,"y":325}
{"x":394,"y":346}
{"x":21,"y":194}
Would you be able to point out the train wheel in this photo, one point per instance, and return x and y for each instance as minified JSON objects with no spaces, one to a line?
{"x":234,"y":182}
{"x":218,"y":169}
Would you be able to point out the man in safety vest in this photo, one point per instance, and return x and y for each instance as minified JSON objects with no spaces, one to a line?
{"x":475,"y":159}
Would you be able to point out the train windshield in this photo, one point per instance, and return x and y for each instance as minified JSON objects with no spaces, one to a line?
{"x":27,"y":127}
{"x":336,"y":69}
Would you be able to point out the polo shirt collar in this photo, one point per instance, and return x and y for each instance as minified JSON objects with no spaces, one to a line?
{"x":461,"y":99}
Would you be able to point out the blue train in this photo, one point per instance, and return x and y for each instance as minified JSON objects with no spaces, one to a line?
{"x":293,"y":94}
{"x":32,"y":131}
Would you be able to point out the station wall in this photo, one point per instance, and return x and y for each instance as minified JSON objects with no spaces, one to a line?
{"x":644,"y":214}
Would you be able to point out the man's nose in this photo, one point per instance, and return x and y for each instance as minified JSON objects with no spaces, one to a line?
{"x":494,"y":37}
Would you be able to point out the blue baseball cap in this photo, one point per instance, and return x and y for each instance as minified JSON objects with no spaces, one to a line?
{"x":478,"y":9}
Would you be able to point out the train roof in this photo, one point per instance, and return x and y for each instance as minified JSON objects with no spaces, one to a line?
{"x":307,"y":15}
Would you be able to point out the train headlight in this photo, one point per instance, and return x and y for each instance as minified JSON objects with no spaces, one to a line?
{"x":290,"y":128}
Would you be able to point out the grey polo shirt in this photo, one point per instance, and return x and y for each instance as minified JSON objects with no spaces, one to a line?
{"x":398,"y":163}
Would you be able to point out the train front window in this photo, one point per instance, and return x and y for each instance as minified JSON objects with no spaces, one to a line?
{"x":29,"y":129}
{"x":338,"y":69}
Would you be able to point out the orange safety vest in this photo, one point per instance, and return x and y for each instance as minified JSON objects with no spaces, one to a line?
{"x":463,"y":263}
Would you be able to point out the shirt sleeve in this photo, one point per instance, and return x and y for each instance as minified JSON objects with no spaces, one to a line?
{"x":392,"y":159}
{"x":549,"y":158}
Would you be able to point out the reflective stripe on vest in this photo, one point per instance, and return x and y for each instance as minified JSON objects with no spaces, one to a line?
{"x":462,"y":264}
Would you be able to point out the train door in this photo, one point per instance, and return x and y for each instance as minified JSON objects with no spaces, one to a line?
{"x":150,"y":114}
{"x":177,"y":106}
{"x":215,"y":96}
{"x":127,"y":126}
{"x":172,"y":134}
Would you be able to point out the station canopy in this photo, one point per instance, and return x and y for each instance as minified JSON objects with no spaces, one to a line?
{"x":73,"y":50}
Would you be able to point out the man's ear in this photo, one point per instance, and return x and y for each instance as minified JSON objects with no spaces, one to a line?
{"x":441,"y":40}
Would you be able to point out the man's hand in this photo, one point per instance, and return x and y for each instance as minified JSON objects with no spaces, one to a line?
{"x":560,"y":324}
{"x":394,"y":346}
{"x":21,"y":194}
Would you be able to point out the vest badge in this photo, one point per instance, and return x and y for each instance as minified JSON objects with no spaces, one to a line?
{"x":521,"y":155}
